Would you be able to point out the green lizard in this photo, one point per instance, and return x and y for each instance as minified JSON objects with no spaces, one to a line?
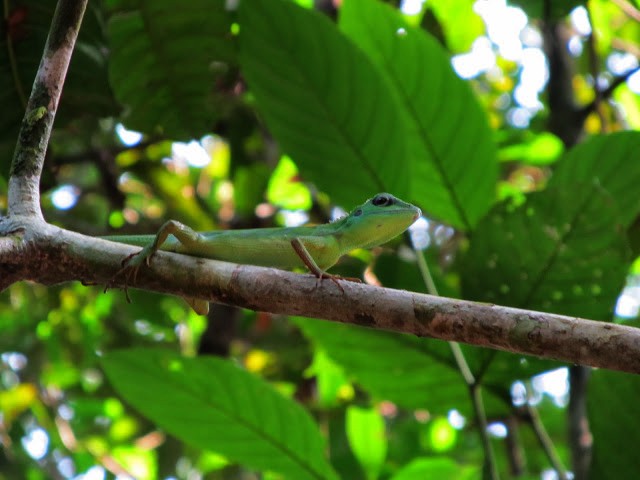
{"x":373,"y":223}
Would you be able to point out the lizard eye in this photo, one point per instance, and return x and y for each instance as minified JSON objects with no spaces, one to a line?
{"x":382,"y":201}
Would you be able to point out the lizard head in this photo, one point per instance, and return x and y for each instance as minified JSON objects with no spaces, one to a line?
{"x":380,"y":219}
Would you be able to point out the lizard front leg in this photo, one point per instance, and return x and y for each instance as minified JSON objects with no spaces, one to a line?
{"x":308,"y":260}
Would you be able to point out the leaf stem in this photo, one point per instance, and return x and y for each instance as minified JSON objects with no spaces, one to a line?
{"x":543,"y":437}
{"x":474,"y":386}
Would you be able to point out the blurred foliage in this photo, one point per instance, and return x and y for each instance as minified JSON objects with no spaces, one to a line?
{"x":272,"y":114}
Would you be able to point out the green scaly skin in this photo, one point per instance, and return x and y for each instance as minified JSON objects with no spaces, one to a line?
{"x":373,"y":223}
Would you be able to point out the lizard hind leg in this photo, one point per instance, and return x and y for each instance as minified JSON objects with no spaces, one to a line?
{"x":132,"y":263}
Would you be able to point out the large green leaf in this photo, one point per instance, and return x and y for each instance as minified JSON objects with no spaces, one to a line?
{"x":400,"y":368}
{"x":451,"y":148}
{"x":414,"y":372}
{"x":610,"y":160}
{"x":212,"y":404}
{"x":324,"y":101}
{"x":562,"y":250}
{"x":161,"y":63}
{"x":615,"y":424}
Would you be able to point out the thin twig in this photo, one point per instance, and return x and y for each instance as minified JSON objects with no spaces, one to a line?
{"x":606,"y":93}
{"x":543,"y":437}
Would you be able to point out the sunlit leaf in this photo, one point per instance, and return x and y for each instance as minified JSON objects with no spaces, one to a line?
{"x":436,"y":467}
{"x":331,"y":382}
{"x":461,"y":23}
{"x":440,"y":435}
{"x":536,"y":149}
{"x":141,"y":463}
{"x":630,"y":102}
{"x":212,"y":404}
{"x":16,"y":400}
{"x":367,"y":438}
{"x":606,"y":18}
{"x":285,"y":188}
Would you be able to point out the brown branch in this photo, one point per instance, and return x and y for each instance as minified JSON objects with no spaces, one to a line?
{"x":26,"y":168}
{"x":562,"y":121}
{"x":605,"y":94}
{"x":54,"y":255}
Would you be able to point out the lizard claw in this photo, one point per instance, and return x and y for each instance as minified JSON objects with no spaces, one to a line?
{"x":130,"y":271}
{"x":334,"y":278}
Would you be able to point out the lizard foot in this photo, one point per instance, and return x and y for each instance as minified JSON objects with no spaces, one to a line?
{"x":336,"y":279}
{"x":130,"y":266}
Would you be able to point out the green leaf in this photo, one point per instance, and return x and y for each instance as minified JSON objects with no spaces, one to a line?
{"x":614,"y":423}
{"x":140,"y":461}
{"x":451,"y":149}
{"x":629,"y":101}
{"x":212,"y":404}
{"x":438,"y":435}
{"x":323,"y":100}
{"x":405,"y":370}
{"x":609,"y":160}
{"x":460,"y":22}
{"x":436,"y":467}
{"x":367,"y":438}
{"x":161,"y":63}
{"x":535,"y":149}
{"x":332,"y":385}
{"x":562,"y":250}
{"x":418,"y":373}
{"x":285,"y":190}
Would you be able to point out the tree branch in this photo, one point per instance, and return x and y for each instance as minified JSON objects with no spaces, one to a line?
{"x":605,"y":94}
{"x":52,"y":255}
{"x":26,"y":168}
